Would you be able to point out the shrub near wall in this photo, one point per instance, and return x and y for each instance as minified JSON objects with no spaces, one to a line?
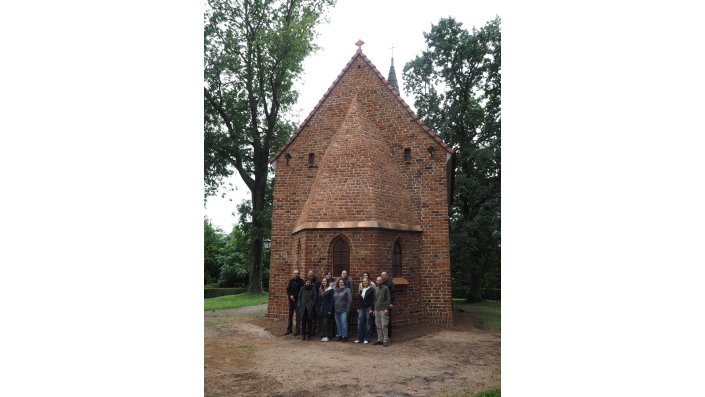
{"x":214,"y":292}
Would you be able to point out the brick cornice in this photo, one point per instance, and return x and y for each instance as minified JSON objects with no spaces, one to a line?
{"x":391,"y":89}
{"x":356,"y":225}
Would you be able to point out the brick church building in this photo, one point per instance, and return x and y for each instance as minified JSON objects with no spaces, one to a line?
{"x":364,"y":185}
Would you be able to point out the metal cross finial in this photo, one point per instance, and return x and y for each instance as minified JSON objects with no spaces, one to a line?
{"x":359,"y":44}
{"x":393,"y":50}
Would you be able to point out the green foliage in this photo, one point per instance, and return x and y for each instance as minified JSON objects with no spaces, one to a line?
{"x":233,"y":259}
{"x":214,"y":241}
{"x":457,"y":85}
{"x":230,"y":274}
{"x":235,"y":301}
{"x":225,"y":256}
{"x":253,"y":52}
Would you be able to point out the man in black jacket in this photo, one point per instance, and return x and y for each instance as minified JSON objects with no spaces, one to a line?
{"x":292,"y":291}
{"x":387,"y":281}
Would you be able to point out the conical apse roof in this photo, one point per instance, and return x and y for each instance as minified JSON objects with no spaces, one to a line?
{"x":359,"y":183}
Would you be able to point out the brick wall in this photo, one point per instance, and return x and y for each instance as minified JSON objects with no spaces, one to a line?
{"x":358,"y":134}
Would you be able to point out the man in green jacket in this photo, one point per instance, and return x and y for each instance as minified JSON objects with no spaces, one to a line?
{"x":306,"y":305}
{"x":382,"y":302}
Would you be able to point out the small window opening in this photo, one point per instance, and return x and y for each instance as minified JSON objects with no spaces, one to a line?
{"x":396,"y":260}
{"x":311,"y":159}
{"x":341,"y":255}
{"x":407,"y":154}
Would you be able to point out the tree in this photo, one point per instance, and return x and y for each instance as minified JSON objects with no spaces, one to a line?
{"x":233,"y":257}
{"x":214,"y":241}
{"x":254,"y":50}
{"x":457,"y":89}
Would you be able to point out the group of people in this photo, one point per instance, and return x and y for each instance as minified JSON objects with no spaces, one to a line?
{"x":325,"y":304}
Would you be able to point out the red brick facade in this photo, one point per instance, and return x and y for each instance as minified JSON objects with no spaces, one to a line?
{"x":358,"y":186}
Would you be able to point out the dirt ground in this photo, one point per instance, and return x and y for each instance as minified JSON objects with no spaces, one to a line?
{"x":246,"y":355}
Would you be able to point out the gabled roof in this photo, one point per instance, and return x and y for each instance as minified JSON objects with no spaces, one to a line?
{"x":391,"y":89}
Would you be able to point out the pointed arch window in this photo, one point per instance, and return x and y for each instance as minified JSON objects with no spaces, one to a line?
{"x":341,"y":256}
{"x":396,"y":259}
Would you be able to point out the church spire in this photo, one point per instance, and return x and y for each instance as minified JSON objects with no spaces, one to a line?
{"x":392,"y":79}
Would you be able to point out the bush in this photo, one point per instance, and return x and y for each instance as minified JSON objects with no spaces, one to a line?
{"x":230,"y":275}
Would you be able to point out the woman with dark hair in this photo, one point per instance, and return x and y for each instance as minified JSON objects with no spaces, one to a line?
{"x":367,"y":301}
{"x":325,"y":309}
{"x":331,"y":279}
{"x":342,"y":302}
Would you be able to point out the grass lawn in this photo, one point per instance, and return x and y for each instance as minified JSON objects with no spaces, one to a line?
{"x":235,"y":301}
{"x":486,"y":314}
{"x":488,"y":393}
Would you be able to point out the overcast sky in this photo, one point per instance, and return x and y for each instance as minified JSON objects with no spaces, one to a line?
{"x":380,"y":24}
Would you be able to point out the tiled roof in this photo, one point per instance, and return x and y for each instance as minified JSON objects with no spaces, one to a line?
{"x":374,"y":193}
{"x":414,"y":117}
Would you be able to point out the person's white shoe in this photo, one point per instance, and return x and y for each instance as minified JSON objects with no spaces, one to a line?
{"x":324,"y":339}
{"x":357,"y":341}
{"x":365,"y":342}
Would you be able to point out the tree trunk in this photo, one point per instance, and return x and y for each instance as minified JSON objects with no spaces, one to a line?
{"x":255,"y":284}
{"x":477,"y":272}
{"x":475,"y":294}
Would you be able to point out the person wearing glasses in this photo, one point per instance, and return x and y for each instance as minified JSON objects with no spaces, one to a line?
{"x":292,"y":291}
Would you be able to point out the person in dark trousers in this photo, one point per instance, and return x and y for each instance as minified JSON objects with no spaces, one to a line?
{"x":348,"y":283}
{"x":292,"y":291}
{"x":370,"y":319}
{"x":307,"y":306}
{"x":382,"y":304}
{"x":316,"y":283}
{"x":325,"y":309}
{"x":342,"y":302}
{"x":387,"y":281}
{"x":367,"y":301}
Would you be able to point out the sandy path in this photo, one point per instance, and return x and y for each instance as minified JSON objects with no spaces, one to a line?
{"x":244,"y":358}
